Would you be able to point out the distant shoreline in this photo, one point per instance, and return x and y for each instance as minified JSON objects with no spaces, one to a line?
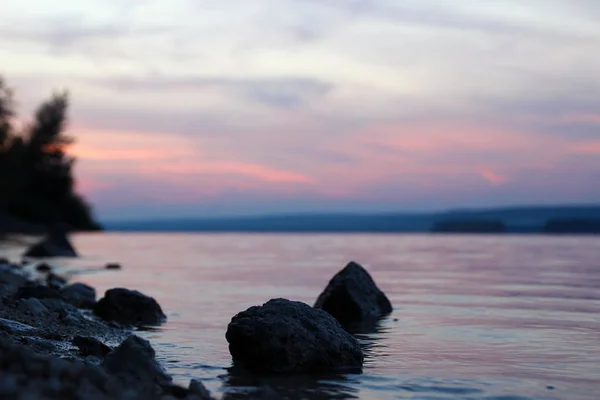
{"x":506,"y":220}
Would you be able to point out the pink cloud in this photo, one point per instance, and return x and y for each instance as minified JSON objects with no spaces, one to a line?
{"x":492,"y":177}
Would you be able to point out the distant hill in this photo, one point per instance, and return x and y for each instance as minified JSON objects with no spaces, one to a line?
{"x":526,"y":219}
{"x":469,"y":226}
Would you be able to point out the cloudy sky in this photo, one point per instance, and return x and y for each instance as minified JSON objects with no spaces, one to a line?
{"x":214,"y":107}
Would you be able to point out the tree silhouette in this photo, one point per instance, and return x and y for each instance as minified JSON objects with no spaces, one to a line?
{"x":36,"y":177}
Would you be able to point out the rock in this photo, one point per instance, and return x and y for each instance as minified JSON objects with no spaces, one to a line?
{"x":290,"y":336}
{"x":4,"y":261}
{"x":129,"y":307}
{"x":89,"y":346}
{"x":134,"y":361}
{"x":43,"y":267}
{"x":353,"y":298}
{"x":80,"y":295}
{"x":198,"y":390}
{"x":15,"y":327}
{"x":55,"y":245}
{"x":32,"y":306}
{"x":113,"y":266}
{"x":37,"y":291}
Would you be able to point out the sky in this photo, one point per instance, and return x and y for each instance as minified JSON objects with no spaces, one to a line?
{"x":231,"y":107}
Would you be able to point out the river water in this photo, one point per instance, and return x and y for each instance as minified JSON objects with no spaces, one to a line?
{"x":475,"y":317}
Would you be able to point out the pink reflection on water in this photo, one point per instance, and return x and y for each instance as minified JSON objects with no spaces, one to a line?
{"x":510,"y":314}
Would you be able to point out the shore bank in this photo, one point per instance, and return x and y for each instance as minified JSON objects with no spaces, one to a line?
{"x":52,"y":348}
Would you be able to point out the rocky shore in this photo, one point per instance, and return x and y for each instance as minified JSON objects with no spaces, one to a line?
{"x":53,"y":344}
{"x":58,"y":341}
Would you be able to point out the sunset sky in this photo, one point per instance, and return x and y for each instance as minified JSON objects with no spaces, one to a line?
{"x":221,"y":107}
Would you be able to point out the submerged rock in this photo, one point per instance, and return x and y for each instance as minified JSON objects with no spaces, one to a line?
{"x":112,"y":266}
{"x":80,"y":295}
{"x":129,"y":307}
{"x":290,"y":336}
{"x":352,"y":297}
{"x":55,"y":245}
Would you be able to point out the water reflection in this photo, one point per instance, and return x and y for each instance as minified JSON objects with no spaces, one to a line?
{"x":513,"y":315}
{"x":238,"y":384}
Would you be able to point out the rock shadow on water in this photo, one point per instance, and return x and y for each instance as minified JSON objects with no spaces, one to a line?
{"x":238,"y":383}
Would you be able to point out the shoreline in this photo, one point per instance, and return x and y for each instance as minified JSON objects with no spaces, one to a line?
{"x":53,"y":346}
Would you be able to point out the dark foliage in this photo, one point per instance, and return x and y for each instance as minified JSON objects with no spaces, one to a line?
{"x":572,"y":226}
{"x":36,"y":174}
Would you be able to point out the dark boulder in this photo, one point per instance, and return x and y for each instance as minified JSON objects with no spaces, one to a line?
{"x":112,"y":266}
{"x":290,"y":336}
{"x":353,"y":298}
{"x":55,"y":245}
{"x":134,"y":361}
{"x":89,"y":346}
{"x":129,"y":307}
{"x":80,"y":295}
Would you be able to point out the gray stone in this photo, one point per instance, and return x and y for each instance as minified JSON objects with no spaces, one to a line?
{"x":292,"y":337}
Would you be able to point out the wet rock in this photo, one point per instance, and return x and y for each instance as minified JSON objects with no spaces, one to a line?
{"x":198,"y":390}
{"x":37,"y":291}
{"x":43,"y":267}
{"x":113,"y":266}
{"x":290,"y":336}
{"x":32,"y":306}
{"x":80,"y":295}
{"x":55,"y":245}
{"x":134,"y":362}
{"x":352,"y":297}
{"x":89,"y":346}
{"x":15,"y":327}
{"x":129,"y":307}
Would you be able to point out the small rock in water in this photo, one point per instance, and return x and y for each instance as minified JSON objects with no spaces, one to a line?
{"x":113,"y":266}
{"x":32,"y":306}
{"x":55,"y":245}
{"x":134,"y":361}
{"x":290,"y":336}
{"x":129,"y":307}
{"x":80,"y":295}
{"x":352,"y":297}
{"x":89,"y":346}
{"x":43,"y":267}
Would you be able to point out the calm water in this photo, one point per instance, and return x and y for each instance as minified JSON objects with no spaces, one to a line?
{"x":497,"y":317}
